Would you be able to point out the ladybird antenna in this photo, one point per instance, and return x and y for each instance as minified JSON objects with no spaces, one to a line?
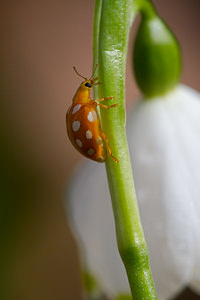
{"x":94,"y":71}
{"x":79,"y":73}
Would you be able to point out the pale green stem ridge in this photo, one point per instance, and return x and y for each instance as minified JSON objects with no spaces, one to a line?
{"x":97,"y":18}
{"x":112,"y":23}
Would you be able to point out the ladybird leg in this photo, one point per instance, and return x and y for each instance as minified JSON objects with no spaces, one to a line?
{"x":95,"y":102}
{"x":107,"y":107}
{"x":105,"y":138}
{"x":94,"y":79}
{"x":104,"y":99}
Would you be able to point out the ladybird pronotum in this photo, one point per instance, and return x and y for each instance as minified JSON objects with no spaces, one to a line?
{"x":83,"y":122}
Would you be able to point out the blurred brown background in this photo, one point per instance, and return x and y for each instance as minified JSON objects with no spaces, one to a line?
{"x":41,"y":41}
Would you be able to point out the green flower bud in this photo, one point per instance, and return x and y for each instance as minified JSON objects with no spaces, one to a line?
{"x":156,"y":57}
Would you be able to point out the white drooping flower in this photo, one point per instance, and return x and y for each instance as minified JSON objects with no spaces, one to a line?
{"x":164,"y":142}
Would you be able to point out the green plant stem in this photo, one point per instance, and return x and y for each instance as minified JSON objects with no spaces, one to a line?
{"x":113,"y":19}
{"x":145,"y":7}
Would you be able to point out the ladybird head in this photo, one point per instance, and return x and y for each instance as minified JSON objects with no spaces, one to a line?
{"x":88,"y":83}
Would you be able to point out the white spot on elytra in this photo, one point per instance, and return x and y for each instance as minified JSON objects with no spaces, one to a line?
{"x":92,"y":116}
{"x":99,"y":141}
{"x":76,"y":108}
{"x":76,"y":125}
{"x":88,"y":135}
{"x":79,"y":143}
{"x":91,"y":151}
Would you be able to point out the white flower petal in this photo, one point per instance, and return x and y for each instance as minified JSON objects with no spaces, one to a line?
{"x":164,"y":135}
{"x":90,"y":208}
{"x":164,"y":143}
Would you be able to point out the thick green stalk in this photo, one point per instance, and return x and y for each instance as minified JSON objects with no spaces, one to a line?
{"x":110,"y":51}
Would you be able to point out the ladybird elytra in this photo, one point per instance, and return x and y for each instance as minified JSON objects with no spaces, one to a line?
{"x":83,"y":122}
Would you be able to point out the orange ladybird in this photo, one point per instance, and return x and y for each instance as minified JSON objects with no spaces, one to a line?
{"x":83,"y":122}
